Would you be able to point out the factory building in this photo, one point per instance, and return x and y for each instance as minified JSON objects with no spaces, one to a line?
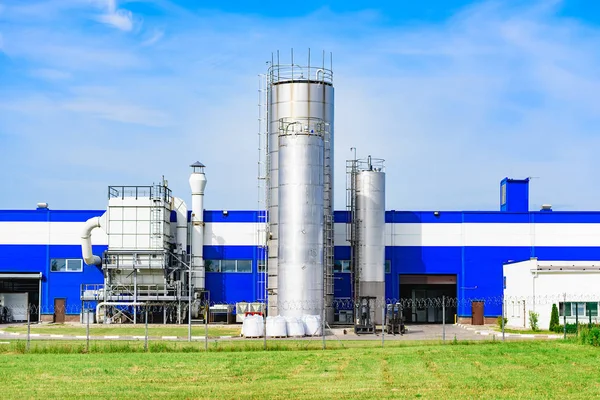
{"x":292,"y":255}
{"x":461,"y":254}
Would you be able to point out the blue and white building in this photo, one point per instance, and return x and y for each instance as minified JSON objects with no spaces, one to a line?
{"x":459,"y":254}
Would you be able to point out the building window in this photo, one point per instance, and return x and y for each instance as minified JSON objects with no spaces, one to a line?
{"x":242,"y":266}
{"x":262,"y":266}
{"x":212,"y":265}
{"x":228,"y":265}
{"x":66,"y":265}
{"x":388,"y":266}
{"x":564,"y":309}
{"x":573,"y":309}
{"x":341,"y":266}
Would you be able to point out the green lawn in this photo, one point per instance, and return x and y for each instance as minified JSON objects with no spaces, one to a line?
{"x":127,"y":330}
{"x":544,"y":369}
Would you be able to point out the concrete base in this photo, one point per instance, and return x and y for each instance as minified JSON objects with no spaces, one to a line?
{"x":468,"y":320}
{"x":68,"y":318}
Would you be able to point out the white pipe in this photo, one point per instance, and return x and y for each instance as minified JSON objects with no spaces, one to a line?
{"x":182,"y":224}
{"x":114,"y":303}
{"x":197,"y":185}
{"x":86,"y":240}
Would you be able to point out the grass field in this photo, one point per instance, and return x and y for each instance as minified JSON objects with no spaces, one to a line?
{"x":127,"y":330}
{"x":547,"y":369}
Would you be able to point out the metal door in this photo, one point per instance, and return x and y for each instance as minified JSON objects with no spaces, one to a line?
{"x":59,"y":310}
{"x":477,"y":312}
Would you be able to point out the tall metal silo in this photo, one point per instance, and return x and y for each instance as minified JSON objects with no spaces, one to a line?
{"x":367,"y":206}
{"x":301,"y":217}
{"x":298,"y":92}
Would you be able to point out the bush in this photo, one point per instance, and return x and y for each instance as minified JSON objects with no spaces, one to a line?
{"x":533,"y":321}
{"x":590,"y":336}
{"x":499,"y":322}
{"x":554,"y":321}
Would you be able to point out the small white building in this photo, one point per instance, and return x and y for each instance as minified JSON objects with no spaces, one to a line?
{"x":533,"y":285}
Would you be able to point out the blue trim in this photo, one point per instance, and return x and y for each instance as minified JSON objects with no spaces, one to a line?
{"x":423,"y":217}
{"x":44,"y":215}
{"x":232,"y":216}
{"x":497,"y":217}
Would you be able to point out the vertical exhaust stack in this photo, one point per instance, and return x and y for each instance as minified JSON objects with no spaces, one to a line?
{"x":197,"y":185}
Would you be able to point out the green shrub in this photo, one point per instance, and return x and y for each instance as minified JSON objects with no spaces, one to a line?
{"x":499,"y":322}
{"x":571,"y":328}
{"x":533,"y":321}
{"x":554,"y":321}
{"x":589,"y":336}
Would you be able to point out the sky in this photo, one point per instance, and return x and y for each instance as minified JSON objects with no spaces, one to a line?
{"x":454,"y":95}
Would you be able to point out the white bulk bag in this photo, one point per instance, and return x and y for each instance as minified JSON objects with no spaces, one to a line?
{"x":276,"y":326}
{"x":295,"y":326}
{"x":253,"y":326}
{"x":312,"y":325}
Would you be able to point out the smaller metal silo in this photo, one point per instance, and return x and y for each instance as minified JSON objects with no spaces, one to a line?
{"x":367,"y":206}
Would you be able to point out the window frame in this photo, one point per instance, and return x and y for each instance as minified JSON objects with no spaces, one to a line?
{"x":261,"y":266}
{"x":345,"y":266}
{"x":219,"y":264}
{"x":66,"y":264}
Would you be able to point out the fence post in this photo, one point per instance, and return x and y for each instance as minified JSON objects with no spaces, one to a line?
{"x":206,"y":316}
{"x":576,"y":319}
{"x":146,"y":329}
{"x":28,"y":326}
{"x":383,"y":324}
{"x":87,"y":331}
{"x":564,"y":316}
{"x":503,"y":314}
{"x":322,"y":324}
{"x":443,"y":318}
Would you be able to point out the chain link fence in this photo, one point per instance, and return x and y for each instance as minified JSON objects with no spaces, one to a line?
{"x":93,"y":326}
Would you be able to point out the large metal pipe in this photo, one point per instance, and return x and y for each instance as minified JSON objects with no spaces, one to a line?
{"x":86,"y":240}
{"x":197,"y":184}
{"x":301,"y":191}
{"x":182,"y":224}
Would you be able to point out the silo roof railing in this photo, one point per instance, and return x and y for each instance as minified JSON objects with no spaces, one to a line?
{"x":298,"y":73}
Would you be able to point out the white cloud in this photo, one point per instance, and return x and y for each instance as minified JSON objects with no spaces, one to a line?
{"x":118,"y":18}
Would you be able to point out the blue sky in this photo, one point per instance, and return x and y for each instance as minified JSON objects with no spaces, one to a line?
{"x":455,"y":95}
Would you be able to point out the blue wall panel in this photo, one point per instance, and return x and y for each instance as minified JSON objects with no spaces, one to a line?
{"x":36,"y":258}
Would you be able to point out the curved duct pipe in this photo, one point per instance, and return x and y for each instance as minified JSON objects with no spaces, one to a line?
{"x":86,"y":240}
{"x":182,"y":223}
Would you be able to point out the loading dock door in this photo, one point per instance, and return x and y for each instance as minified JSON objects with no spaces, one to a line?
{"x":21,"y":290}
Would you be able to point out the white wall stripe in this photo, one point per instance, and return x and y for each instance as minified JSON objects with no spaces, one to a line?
{"x":399,"y":234}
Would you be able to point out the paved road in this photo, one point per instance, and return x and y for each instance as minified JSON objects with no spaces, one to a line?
{"x":414,"y":333}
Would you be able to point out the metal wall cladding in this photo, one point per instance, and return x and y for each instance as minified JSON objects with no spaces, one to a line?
{"x":300,"y":269}
{"x":370,"y":210}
